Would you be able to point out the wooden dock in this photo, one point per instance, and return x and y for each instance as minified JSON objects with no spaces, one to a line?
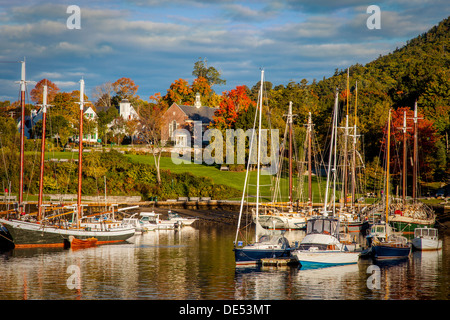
{"x":279,"y":262}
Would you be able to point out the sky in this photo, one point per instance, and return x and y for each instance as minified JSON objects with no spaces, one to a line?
{"x":156,"y":42}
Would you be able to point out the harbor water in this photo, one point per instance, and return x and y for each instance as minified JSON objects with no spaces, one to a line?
{"x":197,"y":263}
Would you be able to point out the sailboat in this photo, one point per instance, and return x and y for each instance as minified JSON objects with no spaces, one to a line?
{"x":268,"y":244}
{"x":321,"y":247}
{"x":384,"y":243}
{"x":44,"y":231}
{"x":405,"y":216}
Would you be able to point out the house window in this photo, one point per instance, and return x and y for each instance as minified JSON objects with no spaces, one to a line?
{"x":172,"y":127}
{"x":180,"y":140}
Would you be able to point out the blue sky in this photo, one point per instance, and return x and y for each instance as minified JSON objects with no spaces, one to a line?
{"x":156,"y":42}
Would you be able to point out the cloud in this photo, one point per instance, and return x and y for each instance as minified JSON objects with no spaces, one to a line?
{"x":155,"y":43}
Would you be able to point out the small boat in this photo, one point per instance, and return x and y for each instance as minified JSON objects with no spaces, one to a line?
{"x":267,"y":246}
{"x":75,"y":243}
{"x":140,"y":225}
{"x":426,"y":239}
{"x":153,"y":221}
{"x":175,"y":217}
{"x":321,"y":246}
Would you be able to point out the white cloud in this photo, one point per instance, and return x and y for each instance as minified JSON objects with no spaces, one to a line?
{"x":155,"y":43}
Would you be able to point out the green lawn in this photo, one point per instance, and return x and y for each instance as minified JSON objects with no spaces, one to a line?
{"x":229,"y":178}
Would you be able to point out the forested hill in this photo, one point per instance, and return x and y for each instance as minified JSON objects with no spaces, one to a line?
{"x":419,"y":71}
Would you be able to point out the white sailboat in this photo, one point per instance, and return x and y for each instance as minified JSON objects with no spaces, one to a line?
{"x":268,"y":244}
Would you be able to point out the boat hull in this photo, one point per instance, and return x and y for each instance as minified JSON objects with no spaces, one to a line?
{"x":324,"y":259}
{"x":424,"y":244}
{"x":408,"y":227}
{"x":387,"y":252}
{"x":29,"y":234}
{"x":249,"y":256}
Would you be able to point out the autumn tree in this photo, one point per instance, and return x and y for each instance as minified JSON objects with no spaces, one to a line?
{"x":178,"y":92}
{"x":36,"y":93}
{"x":233,"y":103}
{"x":124,"y":88}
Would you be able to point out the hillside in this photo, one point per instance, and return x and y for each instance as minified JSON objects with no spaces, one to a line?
{"x":419,"y":71}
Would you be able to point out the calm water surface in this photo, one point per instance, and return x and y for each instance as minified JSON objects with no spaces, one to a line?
{"x":198,"y":263}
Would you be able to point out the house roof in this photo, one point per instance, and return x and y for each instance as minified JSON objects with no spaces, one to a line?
{"x":203,"y":114}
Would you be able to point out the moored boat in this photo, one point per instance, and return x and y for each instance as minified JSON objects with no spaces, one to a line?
{"x":426,"y":239}
{"x":321,"y":246}
{"x":176,"y":218}
{"x":75,"y":243}
{"x":268,"y":244}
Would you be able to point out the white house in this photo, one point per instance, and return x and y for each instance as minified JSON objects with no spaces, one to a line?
{"x":127,"y":111}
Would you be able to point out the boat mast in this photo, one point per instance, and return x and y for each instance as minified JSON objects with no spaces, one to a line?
{"x":309,"y":164}
{"x":80,"y":153}
{"x":404,"y":159}
{"x":388,"y":146}
{"x":22,"y":135}
{"x":415,"y":160}
{"x":354,"y":148}
{"x":290,"y":153}
{"x":259,"y":142}
{"x":246,"y":176}
{"x":41,"y":179}
{"x":345,"y":144}
{"x":336,"y":99}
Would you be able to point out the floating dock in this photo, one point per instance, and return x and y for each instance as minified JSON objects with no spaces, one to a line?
{"x":279,"y":262}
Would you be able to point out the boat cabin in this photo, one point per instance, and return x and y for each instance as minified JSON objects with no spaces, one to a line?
{"x":429,"y":233}
{"x":323,"y":225}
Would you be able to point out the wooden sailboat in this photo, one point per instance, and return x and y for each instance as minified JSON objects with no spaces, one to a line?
{"x":43,"y":231}
{"x":268,"y":244}
{"x":384,"y":243}
{"x":407,"y":216}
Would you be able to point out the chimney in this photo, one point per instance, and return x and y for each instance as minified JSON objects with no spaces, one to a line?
{"x":197,"y":102}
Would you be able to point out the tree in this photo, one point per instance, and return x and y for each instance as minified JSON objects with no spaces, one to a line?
{"x":211,"y":74}
{"x":233,"y":103}
{"x":150,"y":123}
{"x":103,"y":95}
{"x":125,"y":88}
{"x":179,"y":92}
{"x":104,"y":118}
{"x":36,"y":93}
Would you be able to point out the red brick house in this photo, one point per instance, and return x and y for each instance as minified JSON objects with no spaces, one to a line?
{"x":183,"y":117}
